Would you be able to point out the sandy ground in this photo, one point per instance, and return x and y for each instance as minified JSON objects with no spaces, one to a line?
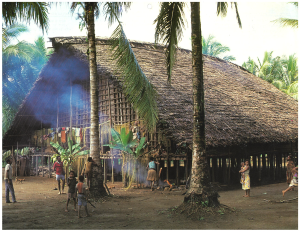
{"x":40,"y":207}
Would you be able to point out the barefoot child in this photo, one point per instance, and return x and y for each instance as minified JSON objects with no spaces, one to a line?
{"x":71,"y":181}
{"x":242,"y":173}
{"x":294,"y":181}
{"x":82,"y":192}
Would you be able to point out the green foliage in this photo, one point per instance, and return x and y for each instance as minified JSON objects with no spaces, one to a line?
{"x":123,"y":141}
{"x":21,"y":64}
{"x":68,"y":155}
{"x":286,"y":22}
{"x":282,"y":72}
{"x":138,"y":89}
{"x":214,"y":48}
{"x":169,"y":30}
{"x":25,"y":11}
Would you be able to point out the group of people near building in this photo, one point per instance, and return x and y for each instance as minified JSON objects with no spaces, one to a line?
{"x":77,"y":190}
{"x":291,"y":176}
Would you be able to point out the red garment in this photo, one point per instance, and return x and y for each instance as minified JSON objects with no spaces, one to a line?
{"x":59,"y":168}
{"x":63,"y":136}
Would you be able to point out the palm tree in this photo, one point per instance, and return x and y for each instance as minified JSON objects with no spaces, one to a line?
{"x":25,"y":11}
{"x":21,"y":64}
{"x":286,"y":22}
{"x":169,"y":25}
{"x":214,"y":48}
{"x":136,"y":85}
{"x":280,"y":72}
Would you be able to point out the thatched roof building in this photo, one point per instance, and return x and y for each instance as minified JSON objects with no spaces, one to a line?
{"x":245,"y":115}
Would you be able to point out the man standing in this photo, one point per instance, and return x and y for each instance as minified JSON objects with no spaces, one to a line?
{"x":8,"y":182}
{"x":60,"y":174}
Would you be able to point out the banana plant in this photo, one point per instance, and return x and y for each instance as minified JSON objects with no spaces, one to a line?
{"x":125,"y":142}
{"x":68,"y":155}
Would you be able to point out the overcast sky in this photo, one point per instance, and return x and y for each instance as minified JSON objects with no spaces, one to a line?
{"x":258,"y":33}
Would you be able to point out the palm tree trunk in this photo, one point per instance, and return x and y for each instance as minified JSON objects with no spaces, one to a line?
{"x":96,"y":186}
{"x":199,"y":177}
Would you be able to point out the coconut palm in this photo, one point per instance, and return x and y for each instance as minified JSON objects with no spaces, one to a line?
{"x":12,"y":12}
{"x":136,"y":86}
{"x":21,"y":64}
{"x":169,"y":26}
{"x":251,"y":66}
{"x":214,"y":48}
{"x":286,"y":22}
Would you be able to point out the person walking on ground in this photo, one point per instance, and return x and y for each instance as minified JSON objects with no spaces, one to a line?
{"x":60,"y":174}
{"x":71,"y":182}
{"x":289,"y":167}
{"x":294,"y":181}
{"x":82,"y":190}
{"x":8,"y":182}
{"x":246,"y":183}
{"x":152,"y":177}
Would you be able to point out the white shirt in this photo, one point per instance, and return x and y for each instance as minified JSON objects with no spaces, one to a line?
{"x":9,"y":169}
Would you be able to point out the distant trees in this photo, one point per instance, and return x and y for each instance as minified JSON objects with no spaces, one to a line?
{"x":213,"y":48}
{"x":21,"y":64}
{"x":282,"y":72}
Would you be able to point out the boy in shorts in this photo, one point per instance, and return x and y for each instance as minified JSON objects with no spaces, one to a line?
{"x":71,"y":181}
{"x":60,"y":173}
{"x":81,"y":188}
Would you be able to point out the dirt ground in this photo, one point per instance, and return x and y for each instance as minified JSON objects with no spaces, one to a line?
{"x":40,"y":207}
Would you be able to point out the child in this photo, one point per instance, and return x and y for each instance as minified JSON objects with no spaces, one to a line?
{"x":242,"y":174}
{"x":71,"y":181}
{"x":88,"y":170}
{"x":294,"y":181}
{"x":82,"y":191}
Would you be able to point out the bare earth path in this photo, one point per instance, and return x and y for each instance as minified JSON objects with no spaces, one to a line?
{"x":40,"y":207}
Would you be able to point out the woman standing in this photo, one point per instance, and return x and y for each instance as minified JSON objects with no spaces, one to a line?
{"x":246,"y":183}
{"x":289,"y":167}
{"x":152,"y":172}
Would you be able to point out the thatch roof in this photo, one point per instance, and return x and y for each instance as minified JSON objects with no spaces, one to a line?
{"x":240,"y":108}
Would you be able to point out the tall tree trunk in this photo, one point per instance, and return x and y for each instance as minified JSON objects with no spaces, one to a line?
{"x":96,"y":188}
{"x":199,"y":183}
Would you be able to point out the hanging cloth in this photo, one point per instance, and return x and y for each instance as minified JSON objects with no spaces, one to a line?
{"x":63,"y":136}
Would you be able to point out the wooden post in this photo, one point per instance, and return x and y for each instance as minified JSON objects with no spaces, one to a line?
{"x":49,"y":159}
{"x":42,"y":159}
{"x":112,"y":169}
{"x":36,"y":165}
{"x":177,"y":172}
{"x":17,"y":160}
{"x":263,"y":168}
{"x":224,"y":170}
{"x":104,"y":170}
{"x":186,"y":170}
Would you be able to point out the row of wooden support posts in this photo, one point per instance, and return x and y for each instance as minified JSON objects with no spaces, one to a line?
{"x":42,"y":160}
{"x":264,"y":168}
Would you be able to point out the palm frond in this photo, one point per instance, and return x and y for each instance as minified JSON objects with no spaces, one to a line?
{"x":137,"y":88}
{"x":22,"y":50}
{"x":113,"y":10}
{"x":287,"y":22}
{"x":222,"y":8}
{"x":169,"y":30}
{"x":11,"y":32}
{"x":27,"y":11}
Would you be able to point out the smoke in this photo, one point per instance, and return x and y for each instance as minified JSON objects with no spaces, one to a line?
{"x":64,"y":77}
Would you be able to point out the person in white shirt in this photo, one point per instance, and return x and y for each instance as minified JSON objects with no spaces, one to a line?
{"x":8,"y":182}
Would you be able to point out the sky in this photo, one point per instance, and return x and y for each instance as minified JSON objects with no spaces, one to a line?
{"x":258,"y":33}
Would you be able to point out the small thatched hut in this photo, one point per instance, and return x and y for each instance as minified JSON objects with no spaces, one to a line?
{"x":246,"y":117}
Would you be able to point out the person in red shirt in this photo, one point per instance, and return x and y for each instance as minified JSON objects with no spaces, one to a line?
{"x":60,"y":174}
